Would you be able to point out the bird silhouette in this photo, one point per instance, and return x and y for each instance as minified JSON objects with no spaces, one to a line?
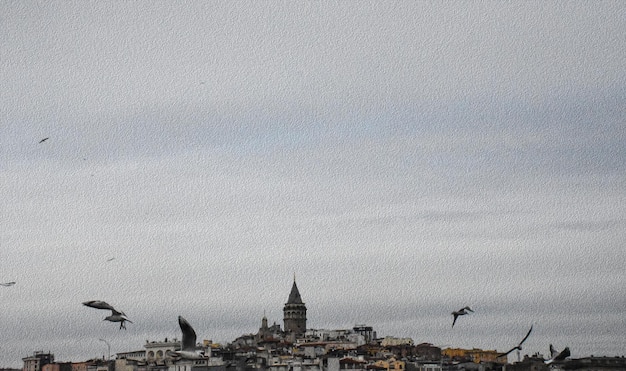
{"x":460,"y":312}
{"x":556,"y":355}
{"x":116,"y":315}
{"x":7,"y":284}
{"x":518,"y":346}
{"x":44,"y":139}
{"x":188,"y":350}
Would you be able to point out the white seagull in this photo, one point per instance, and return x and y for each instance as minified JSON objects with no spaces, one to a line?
{"x":556,"y":355}
{"x":116,"y":315}
{"x":188,"y":350}
{"x":460,"y":312}
{"x":518,"y":346}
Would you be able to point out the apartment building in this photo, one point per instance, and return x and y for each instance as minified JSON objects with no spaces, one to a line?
{"x":37,"y":361}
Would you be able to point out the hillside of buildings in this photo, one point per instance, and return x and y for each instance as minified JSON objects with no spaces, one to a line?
{"x":294,"y":347}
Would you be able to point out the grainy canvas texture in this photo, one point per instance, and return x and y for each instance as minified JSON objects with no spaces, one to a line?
{"x":404,"y":159}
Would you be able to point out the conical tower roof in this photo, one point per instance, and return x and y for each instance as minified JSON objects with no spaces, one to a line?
{"x":294,"y":295}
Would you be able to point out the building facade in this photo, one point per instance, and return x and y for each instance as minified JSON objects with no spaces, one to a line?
{"x":37,"y":361}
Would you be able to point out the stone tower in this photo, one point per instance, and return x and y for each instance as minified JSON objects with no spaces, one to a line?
{"x":294,"y":313}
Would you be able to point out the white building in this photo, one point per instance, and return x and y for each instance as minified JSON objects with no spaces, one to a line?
{"x":157,"y":351}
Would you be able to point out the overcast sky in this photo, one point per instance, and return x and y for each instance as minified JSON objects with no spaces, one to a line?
{"x":402,"y":159}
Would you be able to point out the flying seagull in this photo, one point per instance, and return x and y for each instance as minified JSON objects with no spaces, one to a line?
{"x":7,"y":284}
{"x":44,"y":139}
{"x":188,"y":345}
{"x":116,"y":315}
{"x":110,"y":259}
{"x":518,"y":346}
{"x":557,"y":356}
{"x":460,"y":312}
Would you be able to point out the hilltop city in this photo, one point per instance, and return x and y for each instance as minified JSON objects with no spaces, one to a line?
{"x":296,"y":348}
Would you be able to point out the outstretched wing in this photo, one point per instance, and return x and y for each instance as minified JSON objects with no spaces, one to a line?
{"x":189,"y":335}
{"x":506,"y":353}
{"x":564,"y":354}
{"x":553,"y":352}
{"x":526,"y":337}
{"x":519,"y":346}
{"x":99,"y":304}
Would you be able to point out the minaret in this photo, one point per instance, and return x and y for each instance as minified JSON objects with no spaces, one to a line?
{"x":264,"y":331}
{"x":294,"y":313}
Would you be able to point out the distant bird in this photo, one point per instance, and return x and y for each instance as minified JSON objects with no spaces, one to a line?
{"x":518,"y":346}
{"x":44,"y":139}
{"x":188,"y":350}
{"x":557,"y":356}
{"x":110,"y":259}
{"x":460,"y":312}
{"x":7,"y":284}
{"x":116,"y":315}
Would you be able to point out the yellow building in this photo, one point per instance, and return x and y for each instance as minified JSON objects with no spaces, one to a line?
{"x":475,"y":354}
{"x":390,"y":364}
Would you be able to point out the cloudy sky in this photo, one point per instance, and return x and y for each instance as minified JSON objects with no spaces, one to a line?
{"x":402,"y":159}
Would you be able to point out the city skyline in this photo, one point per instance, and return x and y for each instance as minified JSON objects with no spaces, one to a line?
{"x":177,"y":337}
{"x":404,"y":159}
